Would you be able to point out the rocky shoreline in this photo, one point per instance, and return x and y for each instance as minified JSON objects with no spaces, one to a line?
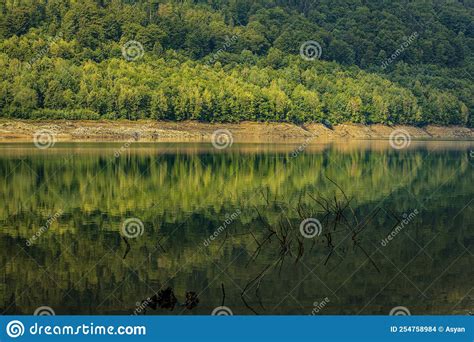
{"x":192,"y":131}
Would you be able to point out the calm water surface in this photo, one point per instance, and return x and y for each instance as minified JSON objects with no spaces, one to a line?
{"x":63,"y":242}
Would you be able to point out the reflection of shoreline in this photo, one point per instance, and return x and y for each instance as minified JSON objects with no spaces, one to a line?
{"x":286,"y":149}
{"x":193,"y":131}
{"x":182,"y":199}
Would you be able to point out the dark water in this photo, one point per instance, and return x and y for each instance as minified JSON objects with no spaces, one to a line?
{"x":252,"y":199}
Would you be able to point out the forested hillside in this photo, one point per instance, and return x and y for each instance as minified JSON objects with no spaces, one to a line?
{"x":328,"y":61}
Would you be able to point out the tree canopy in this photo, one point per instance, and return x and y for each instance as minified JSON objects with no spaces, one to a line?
{"x":230,"y":60}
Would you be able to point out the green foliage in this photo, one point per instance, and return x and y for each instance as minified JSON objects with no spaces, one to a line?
{"x":238,"y":60}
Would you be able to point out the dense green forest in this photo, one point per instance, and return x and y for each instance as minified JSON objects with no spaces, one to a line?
{"x":377,"y":61}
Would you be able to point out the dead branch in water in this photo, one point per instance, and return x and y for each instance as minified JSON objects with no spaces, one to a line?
{"x":336,"y":214}
{"x":127,"y":249}
{"x":223,"y":294}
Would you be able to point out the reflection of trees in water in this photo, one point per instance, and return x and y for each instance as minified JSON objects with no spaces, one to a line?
{"x":132,"y":183}
{"x":337,"y":216}
{"x":83,"y":254}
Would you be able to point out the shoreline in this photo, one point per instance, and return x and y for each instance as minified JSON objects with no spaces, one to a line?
{"x":193,"y":131}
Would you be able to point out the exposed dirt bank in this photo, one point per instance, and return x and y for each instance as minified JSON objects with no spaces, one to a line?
{"x":23,"y":130}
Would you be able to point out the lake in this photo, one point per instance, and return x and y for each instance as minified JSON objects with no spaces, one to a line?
{"x":337,"y":228}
